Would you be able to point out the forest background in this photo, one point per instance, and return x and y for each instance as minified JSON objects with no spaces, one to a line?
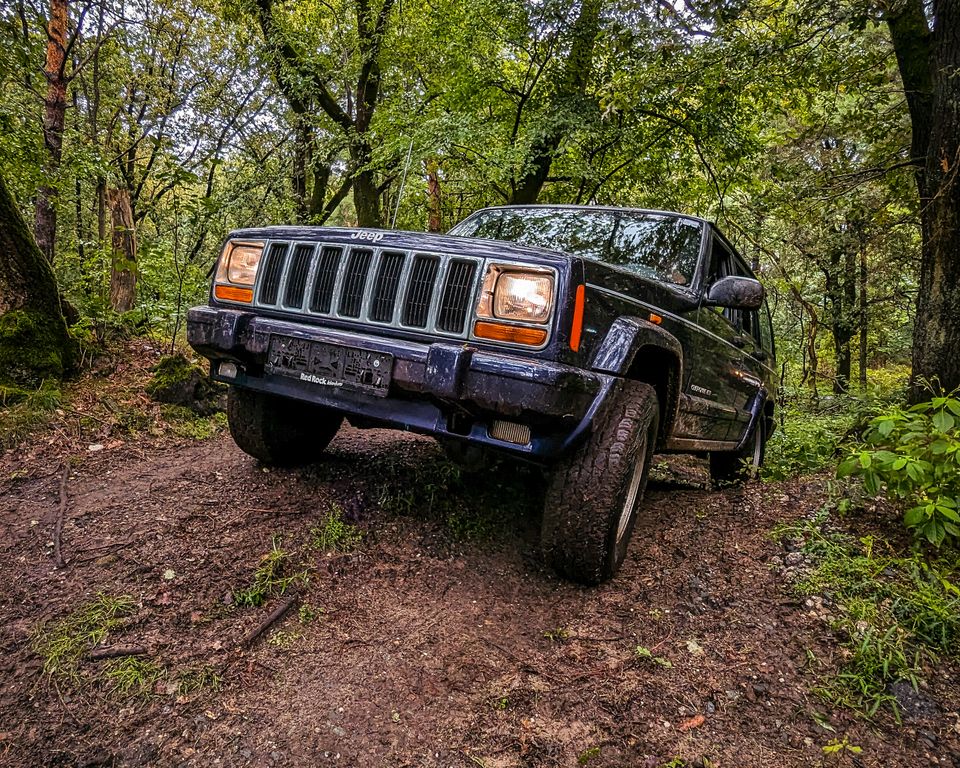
{"x":135,"y":135}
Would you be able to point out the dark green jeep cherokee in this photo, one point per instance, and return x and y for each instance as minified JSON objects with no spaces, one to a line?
{"x":579,"y":338}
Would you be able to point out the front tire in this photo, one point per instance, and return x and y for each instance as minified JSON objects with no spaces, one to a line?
{"x":731,"y":468}
{"x":278,"y":430}
{"x":591,"y":504}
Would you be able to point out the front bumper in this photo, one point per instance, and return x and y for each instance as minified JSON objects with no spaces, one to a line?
{"x":448,"y":390}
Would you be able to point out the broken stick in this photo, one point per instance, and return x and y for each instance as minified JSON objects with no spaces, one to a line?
{"x":278,"y":613}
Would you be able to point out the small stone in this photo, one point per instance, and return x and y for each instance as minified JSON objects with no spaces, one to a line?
{"x":793,"y":558}
{"x":710,"y":708}
{"x":95,"y":447}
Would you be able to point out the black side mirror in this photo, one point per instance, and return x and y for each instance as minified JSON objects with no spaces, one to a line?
{"x":735,"y":292}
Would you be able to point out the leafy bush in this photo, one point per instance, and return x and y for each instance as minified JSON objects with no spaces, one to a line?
{"x":913,"y":455}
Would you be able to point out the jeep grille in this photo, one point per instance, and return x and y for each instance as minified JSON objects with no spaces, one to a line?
{"x":405,"y":289}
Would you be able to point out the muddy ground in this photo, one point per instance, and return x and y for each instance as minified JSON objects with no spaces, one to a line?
{"x":439,"y":640}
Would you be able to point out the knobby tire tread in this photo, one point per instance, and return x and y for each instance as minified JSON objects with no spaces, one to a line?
{"x":585,"y":494}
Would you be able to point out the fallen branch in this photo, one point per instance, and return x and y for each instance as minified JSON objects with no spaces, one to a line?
{"x":58,"y":530}
{"x":278,"y":613}
{"x":116,"y":651}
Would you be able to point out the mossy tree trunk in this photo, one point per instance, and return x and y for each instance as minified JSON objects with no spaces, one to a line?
{"x":123,"y":253}
{"x":54,"y":117}
{"x":926,"y":39}
{"x":34,"y":343}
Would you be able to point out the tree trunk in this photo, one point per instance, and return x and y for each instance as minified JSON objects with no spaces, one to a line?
{"x":863,"y":317}
{"x":366,"y":195}
{"x":54,"y":117}
{"x":123,"y":252}
{"x":34,"y":343}
{"x":434,"y":223}
{"x":303,"y":138}
{"x":930,"y":68}
{"x":567,"y":103}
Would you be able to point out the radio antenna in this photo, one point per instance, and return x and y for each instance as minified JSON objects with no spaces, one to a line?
{"x":403,"y":181}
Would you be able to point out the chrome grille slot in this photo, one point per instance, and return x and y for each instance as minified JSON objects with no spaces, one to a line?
{"x":416,"y":308}
{"x":297,"y":276}
{"x":327,"y":265}
{"x":354,"y":282}
{"x":456,"y":295}
{"x":386,"y":286}
{"x":272,"y":272}
{"x":431,"y":293}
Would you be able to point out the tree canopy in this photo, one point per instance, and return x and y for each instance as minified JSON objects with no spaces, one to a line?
{"x":135,"y":135}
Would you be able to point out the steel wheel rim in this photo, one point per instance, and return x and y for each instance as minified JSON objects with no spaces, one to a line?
{"x":633,"y":492}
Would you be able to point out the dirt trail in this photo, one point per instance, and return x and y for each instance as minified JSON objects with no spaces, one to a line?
{"x":432,"y":645}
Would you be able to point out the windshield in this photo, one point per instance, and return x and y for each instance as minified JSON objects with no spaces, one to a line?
{"x":662,"y":246}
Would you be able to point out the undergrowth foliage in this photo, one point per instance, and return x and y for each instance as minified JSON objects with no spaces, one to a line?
{"x":913,"y":456}
{"x":893,"y":612}
{"x":811,"y":434}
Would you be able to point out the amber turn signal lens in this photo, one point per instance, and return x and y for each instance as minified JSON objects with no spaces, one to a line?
{"x":533,"y":337}
{"x":576,"y":329}
{"x":231,"y":293}
{"x":655,"y":319}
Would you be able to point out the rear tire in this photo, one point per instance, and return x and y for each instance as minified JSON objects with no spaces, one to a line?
{"x":591,"y":504}
{"x":730,"y":468}
{"x":278,"y":430}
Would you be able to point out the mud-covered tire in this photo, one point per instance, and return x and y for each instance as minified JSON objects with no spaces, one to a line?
{"x":593,"y":498}
{"x":731,"y":468}
{"x":278,"y":430}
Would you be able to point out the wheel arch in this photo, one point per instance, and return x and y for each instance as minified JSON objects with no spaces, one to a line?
{"x":639,"y":350}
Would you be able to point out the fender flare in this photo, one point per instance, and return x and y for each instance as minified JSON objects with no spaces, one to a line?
{"x":617,"y":352}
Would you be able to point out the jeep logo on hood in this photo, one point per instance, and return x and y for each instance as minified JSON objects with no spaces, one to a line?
{"x":373,"y":237}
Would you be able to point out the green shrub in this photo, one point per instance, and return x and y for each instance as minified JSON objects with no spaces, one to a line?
{"x":913,"y":456}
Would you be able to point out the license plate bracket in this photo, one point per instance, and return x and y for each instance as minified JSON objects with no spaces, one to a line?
{"x":333,"y":366}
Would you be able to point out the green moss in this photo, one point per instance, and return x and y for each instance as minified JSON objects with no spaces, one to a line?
{"x":23,"y":411}
{"x":185,"y":422}
{"x":172,"y":373}
{"x":33,"y":348}
{"x":177,"y":381}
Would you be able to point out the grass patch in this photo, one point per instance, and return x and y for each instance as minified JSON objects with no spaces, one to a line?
{"x":272,"y":577}
{"x":62,"y":644}
{"x":200,"y":678}
{"x":132,"y":676}
{"x":895,"y":611}
{"x":24,"y":411}
{"x":811,"y":435}
{"x":186,"y":423}
{"x":333,"y":533}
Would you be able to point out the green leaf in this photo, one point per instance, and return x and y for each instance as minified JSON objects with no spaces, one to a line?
{"x":934,"y":532}
{"x":865,"y":459}
{"x":943,"y":421}
{"x":847,"y":467}
{"x":885,"y":427}
{"x":954,"y":406}
{"x":949,"y":514}
{"x":914,"y":517}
